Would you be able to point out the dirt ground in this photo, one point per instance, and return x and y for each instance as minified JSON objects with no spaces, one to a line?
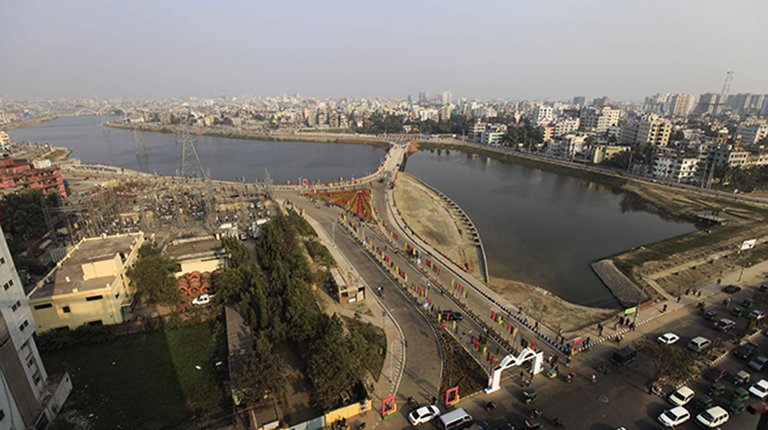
{"x":548,"y":308}
{"x":427,"y":215}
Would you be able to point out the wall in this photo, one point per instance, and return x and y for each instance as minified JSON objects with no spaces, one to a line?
{"x":348,"y":411}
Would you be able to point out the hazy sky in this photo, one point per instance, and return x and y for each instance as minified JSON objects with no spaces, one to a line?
{"x":507,"y":49}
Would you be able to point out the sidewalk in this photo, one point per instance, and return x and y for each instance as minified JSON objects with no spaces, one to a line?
{"x":381,"y":318}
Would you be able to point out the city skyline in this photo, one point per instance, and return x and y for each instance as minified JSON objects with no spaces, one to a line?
{"x":340,"y":49}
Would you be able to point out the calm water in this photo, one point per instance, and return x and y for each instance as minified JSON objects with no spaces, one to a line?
{"x":225,"y":158}
{"x":541,"y":227}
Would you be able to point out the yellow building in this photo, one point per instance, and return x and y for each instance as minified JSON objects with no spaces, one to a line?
{"x":89,"y":286}
{"x":197,"y":254}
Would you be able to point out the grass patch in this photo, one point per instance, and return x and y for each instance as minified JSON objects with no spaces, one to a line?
{"x":459,"y":368}
{"x":146,"y":380}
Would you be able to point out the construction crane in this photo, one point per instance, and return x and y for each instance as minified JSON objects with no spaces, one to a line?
{"x":724,"y":92}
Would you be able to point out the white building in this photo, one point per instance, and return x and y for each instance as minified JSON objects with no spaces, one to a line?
{"x":566,"y":125}
{"x":493,"y":134}
{"x":673,"y":168}
{"x":599,"y":120}
{"x":542,"y":115}
{"x":751,"y":134}
{"x":28,"y":397}
{"x":446,"y":97}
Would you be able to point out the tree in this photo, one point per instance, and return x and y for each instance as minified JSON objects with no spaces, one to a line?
{"x":677,"y":136}
{"x":523,"y":133}
{"x":670,"y":363}
{"x":239,"y":254}
{"x":152,"y":277}
{"x":331,"y":364}
{"x":260,"y":373}
{"x":22,"y":217}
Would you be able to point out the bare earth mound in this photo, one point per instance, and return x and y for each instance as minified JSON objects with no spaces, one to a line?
{"x":551,"y":310}
{"x":426,"y":214}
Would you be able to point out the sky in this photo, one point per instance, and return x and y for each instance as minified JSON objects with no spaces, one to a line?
{"x":510,"y":49}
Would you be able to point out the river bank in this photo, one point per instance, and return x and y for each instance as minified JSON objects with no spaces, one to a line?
{"x":244,"y":135}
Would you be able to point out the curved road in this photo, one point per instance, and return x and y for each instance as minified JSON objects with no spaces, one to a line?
{"x":423,"y":367}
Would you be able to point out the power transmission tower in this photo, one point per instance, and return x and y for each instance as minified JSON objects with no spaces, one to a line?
{"x":190,"y":165}
{"x":140,"y":148}
{"x":724,"y":92}
{"x":267,"y":183}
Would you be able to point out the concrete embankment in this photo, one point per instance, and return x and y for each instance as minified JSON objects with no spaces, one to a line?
{"x":625,"y":291}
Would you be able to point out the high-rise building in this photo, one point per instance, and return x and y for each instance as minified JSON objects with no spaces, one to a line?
{"x":708,"y":104}
{"x":446,"y":97}
{"x":542,"y":115}
{"x":599,"y":120}
{"x":651,"y":130}
{"x":682,"y":104}
{"x":28,"y":397}
{"x":579,"y":101}
{"x":751,"y":134}
{"x":600,"y":102}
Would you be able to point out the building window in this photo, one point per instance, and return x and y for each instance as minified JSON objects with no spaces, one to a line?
{"x":43,"y":306}
{"x":36,"y":377}
{"x":10,"y":283}
{"x":16,"y":305}
{"x":66,"y":309}
{"x":24,"y":325}
{"x":31,"y":362}
{"x":6,"y":286}
{"x":93,"y":298}
{"x":2,"y":260}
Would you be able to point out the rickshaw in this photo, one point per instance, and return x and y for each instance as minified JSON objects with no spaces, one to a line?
{"x":740,"y":394}
{"x":736,"y":407}
{"x":551,"y":374}
{"x":716,"y":390}
{"x":741,"y":377}
{"x":530,"y":396}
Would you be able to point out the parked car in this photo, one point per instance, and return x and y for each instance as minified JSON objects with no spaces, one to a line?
{"x":713,"y":417}
{"x":674,"y":417}
{"x":699,"y":344}
{"x":710,"y":315}
{"x":759,"y":389}
{"x":202,"y":299}
{"x":423,"y":415}
{"x":731,"y":289}
{"x":756,"y":315}
{"x":725,"y":324}
{"x":681,"y":396}
{"x":668,"y":338}
{"x":763,"y":288}
{"x":746,"y":351}
{"x":758,"y":363}
{"x":452,"y":315}
{"x":716,"y":374}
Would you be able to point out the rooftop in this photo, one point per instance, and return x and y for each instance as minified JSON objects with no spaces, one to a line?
{"x":195,"y":247}
{"x":69,"y":276}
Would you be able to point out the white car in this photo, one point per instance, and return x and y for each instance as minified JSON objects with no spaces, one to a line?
{"x":759,"y":389}
{"x":423,"y":415}
{"x":713,"y":417}
{"x":681,"y":396}
{"x":674,"y":417}
{"x":668,"y":338}
{"x":202,"y":299}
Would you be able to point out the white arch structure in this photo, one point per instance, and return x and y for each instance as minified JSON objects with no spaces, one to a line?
{"x":526,"y":354}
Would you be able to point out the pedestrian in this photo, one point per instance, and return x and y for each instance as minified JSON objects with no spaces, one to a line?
{"x":434,"y":400}
{"x":678,"y":298}
{"x":632,"y":327}
{"x":698,"y":293}
{"x":621,"y":320}
{"x":589,"y":341}
{"x":594,"y":377}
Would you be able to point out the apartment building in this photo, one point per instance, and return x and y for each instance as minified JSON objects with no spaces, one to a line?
{"x":29,"y":398}
{"x":651,"y":130}
{"x":675,"y":168}
{"x":89,"y":286}
{"x":751,"y":134}
{"x":599,"y":120}
{"x":17,"y":175}
{"x":542,"y":115}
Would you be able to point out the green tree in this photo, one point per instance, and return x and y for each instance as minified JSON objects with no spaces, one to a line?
{"x":668,"y":362}
{"x":22,"y":218}
{"x":331,"y":364}
{"x":260,"y":373}
{"x":153,"y":277}
{"x":239,"y":254}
